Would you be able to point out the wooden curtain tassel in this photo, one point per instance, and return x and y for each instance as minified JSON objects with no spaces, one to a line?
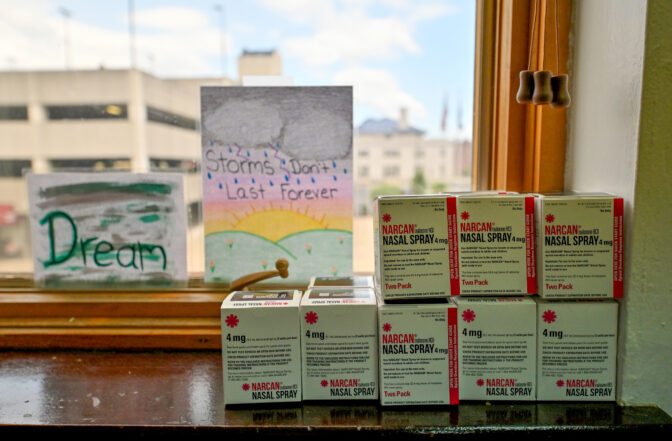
{"x":526,"y":88}
{"x":543,"y":94}
{"x":559,"y":85}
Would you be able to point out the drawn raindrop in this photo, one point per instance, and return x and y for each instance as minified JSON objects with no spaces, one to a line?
{"x":284,"y":162}
{"x":209,"y":175}
{"x":298,"y":181}
{"x":266,"y":154}
{"x":253,"y":180}
{"x":230,"y":151}
{"x":286,"y":178}
{"x":212,"y":143}
{"x":271,"y":182}
{"x":220,"y":186}
{"x":335,"y":178}
{"x":248,"y":153}
{"x":277,"y":145}
{"x":312,"y":180}
{"x":235,"y":181}
{"x":345,"y":171}
{"x":333,"y":164}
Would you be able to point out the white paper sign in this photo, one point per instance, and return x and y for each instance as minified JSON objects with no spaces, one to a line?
{"x":108,"y":227}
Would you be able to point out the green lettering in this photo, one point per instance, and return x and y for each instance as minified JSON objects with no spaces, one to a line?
{"x":132,"y":261}
{"x":53,"y":259}
{"x":150,"y":248}
{"x":98,"y":250}
{"x":84,"y":243}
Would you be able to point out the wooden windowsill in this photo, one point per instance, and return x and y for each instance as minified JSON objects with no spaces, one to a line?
{"x":83,"y":394}
{"x":180,"y":318}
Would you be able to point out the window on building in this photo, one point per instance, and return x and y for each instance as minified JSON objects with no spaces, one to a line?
{"x":87,"y":111}
{"x":391,"y":153}
{"x":171,"y":119}
{"x":174,"y":165}
{"x":363,"y":172}
{"x":391,"y":171}
{"x":13,"y":113}
{"x":88,"y":164}
{"x":363,"y":153}
{"x":14,"y":168}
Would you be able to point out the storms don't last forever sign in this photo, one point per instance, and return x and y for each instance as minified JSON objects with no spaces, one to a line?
{"x":108,"y":227}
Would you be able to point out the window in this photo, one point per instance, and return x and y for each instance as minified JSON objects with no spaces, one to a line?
{"x":88,"y":111}
{"x":13,"y":113}
{"x":397,"y":112}
{"x":171,"y":119}
{"x":14,"y":168}
{"x":391,"y":171}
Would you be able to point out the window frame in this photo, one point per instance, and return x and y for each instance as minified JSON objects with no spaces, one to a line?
{"x":518,"y":147}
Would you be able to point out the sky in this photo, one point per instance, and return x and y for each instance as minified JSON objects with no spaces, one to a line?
{"x":417,"y":54}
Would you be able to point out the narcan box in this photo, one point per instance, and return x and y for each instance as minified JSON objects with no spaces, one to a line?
{"x":492,"y":248}
{"x":261,"y":347}
{"x":339,"y":344}
{"x":580,"y":245}
{"x":576,"y":350}
{"x":418,"y":353}
{"x":411,"y":247}
{"x":341,"y":282}
{"x":497,"y":348}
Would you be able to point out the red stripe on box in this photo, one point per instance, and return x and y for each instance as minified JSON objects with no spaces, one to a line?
{"x":618,"y":248}
{"x":530,"y":246}
{"x":453,"y":256}
{"x":453,"y":372}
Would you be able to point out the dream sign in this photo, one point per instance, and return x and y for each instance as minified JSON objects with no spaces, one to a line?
{"x":277,"y":180}
{"x":108,"y":228}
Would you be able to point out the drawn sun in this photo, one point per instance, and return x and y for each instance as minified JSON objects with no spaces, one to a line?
{"x":274,"y":224}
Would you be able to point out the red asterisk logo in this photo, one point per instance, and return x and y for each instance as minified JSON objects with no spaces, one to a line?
{"x":560,"y":383}
{"x":232,"y":321}
{"x":246,"y":387}
{"x":464,"y":215}
{"x":324,"y":383}
{"x":387,"y":327}
{"x":468,"y":316}
{"x":480,"y":382}
{"x":387,"y":217}
{"x":311,"y":317}
{"x":550,"y":218}
{"x":549,"y":316}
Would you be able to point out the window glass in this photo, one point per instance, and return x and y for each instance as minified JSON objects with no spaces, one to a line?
{"x":105,"y":86}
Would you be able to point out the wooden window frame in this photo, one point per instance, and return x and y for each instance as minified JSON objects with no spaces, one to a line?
{"x":518,"y":147}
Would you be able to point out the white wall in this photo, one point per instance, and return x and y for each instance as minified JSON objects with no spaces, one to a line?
{"x":604,"y":154}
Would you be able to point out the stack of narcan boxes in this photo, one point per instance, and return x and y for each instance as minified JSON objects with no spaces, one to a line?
{"x":580,"y":262}
{"x":430,"y":249}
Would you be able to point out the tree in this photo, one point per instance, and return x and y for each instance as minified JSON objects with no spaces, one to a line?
{"x":419,"y":184}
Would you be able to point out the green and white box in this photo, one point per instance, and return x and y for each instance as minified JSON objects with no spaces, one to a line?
{"x":576,"y":350}
{"x":339,"y":344}
{"x":411,"y":246}
{"x":495,"y":252}
{"x":497,"y":348}
{"x":418,"y":353}
{"x":580,"y":245}
{"x":261,"y":347}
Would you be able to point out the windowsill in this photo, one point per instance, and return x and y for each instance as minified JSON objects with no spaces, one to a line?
{"x":171,"y":318}
{"x":177,"y":394}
